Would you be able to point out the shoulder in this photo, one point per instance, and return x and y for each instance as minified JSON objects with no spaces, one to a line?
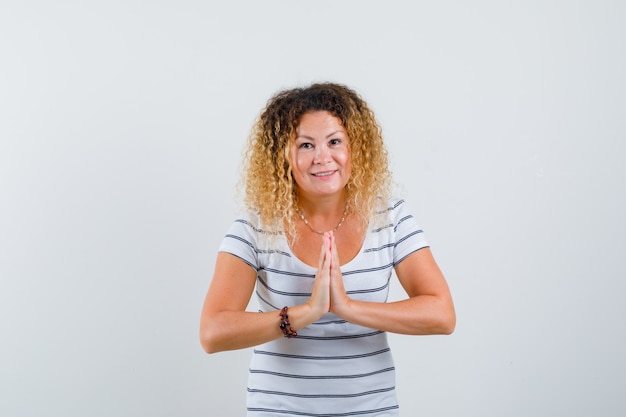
{"x":246,"y":223}
{"x":393,"y":210}
{"x":242,"y":239}
{"x":247,"y":228}
{"x":400,"y":227}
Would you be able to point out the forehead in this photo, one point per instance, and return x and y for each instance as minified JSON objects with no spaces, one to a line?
{"x":319,"y":122}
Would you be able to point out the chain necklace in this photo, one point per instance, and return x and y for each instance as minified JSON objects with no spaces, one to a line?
{"x":319,"y":232}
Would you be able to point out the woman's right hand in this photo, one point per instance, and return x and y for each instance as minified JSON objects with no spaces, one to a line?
{"x":226,"y":325}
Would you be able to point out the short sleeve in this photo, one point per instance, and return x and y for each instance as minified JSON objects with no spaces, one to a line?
{"x":409,"y":236}
{"x":241,"y":241}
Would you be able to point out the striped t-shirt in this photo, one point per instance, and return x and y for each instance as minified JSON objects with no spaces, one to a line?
{"x":333,"y":367}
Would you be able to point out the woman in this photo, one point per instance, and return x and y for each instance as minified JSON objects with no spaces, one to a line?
{"x":319,"y":244}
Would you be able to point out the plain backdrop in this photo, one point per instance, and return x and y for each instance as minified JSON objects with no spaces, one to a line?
{"x":121,"y":130}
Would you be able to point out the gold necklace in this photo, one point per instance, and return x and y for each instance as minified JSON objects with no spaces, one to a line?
{"x":319,"y":232}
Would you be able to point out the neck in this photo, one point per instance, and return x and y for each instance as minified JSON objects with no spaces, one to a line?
{"x":322,"y":207}
{"x":322,"y":215}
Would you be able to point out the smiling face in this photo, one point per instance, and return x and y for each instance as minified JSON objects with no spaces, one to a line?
{"x":320,"y":155}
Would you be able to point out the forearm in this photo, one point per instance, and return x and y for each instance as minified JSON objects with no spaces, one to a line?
{"x":231,"y":330}
{"x":419,"y":315}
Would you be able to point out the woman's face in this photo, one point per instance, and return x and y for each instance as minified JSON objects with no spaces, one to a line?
{"x":320,"y":155}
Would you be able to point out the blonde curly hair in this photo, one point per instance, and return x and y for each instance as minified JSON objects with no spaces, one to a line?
{"x":268,"y":185}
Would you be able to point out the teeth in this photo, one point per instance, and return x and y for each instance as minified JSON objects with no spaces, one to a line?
{"x":323,"y":174}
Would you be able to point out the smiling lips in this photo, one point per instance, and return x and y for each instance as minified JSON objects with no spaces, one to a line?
{"x":323,"y":174}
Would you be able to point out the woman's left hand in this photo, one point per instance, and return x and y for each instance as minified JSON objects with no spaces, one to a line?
{"x":427,"y":310}
{"x":339,"y":300}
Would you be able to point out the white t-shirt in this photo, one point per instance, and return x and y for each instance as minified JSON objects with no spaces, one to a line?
{"x":333,"y":367}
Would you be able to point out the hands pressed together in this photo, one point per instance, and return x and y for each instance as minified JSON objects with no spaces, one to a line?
{"x":329,"y":294}
{"x":226,"y":325}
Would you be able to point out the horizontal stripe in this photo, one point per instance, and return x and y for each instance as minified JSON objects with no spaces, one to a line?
{"x":239,"y":238}
{"x":369,"y":290}
{"x":257,"y":250}
{"x":367,"y":270}
{"x":273,"y":251}
{"x":355,"y":376}
{"x":289,"y":273}
{"x":402,"y":239}
{"x":264,"y":301}
{"x":308,"y":294}
{"x":380,"y":229}
{"x":336,"y":396}
{"x":256,"y":229}
{"x":275,"y":291}
{"x":379,"y":248}
{"x":393,"y":207}
{"x":321,"y":358}
{"x":340,"y":337}
{"x":324,"y":323}
{"x":402,"y":220}
{"x":305,"y":414}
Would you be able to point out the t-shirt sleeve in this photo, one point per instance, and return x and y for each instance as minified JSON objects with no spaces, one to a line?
{"x":240,"y":240}
{"x":409,"y":236}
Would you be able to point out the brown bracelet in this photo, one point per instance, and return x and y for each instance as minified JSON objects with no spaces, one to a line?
{"x":285,"y":326}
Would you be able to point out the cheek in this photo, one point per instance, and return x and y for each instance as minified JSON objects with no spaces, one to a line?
{"x":348,"y":166}
{"x":294,"y":159}
{"x":345,"y":159}
{"x":301,"y":164}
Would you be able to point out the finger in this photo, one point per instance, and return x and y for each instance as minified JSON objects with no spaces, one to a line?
{"x":329,"y":250}
{"x":321,"y":260}
{"x":323,"y":252}
{"x":333,"y":250}
{"x":327,"y":243}
{"x":325,"y":257}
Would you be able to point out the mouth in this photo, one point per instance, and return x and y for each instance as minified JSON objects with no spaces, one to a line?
{"x":323,"y":174}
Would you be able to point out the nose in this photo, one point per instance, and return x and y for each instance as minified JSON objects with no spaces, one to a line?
{"x":322,"y":155}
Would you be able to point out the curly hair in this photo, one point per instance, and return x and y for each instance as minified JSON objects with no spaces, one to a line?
{"x":269,"y":188}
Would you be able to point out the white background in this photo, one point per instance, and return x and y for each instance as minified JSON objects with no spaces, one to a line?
{"x":121,"y":128}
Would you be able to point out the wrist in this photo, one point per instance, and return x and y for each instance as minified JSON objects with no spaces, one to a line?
{"x":313,"y":311}
{"x":343,"y":308}
{"x":302,"y":315}
{"x":285,"y":323}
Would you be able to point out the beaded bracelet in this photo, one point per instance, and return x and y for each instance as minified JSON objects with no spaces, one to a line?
{"x":285,"y":326}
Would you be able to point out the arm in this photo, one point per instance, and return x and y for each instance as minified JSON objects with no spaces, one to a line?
{"x":226,"y":325}
{"x":427,"y":310}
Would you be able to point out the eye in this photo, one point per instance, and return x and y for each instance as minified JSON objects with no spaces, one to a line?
{"x":305,"y":145}
{"x":335,"y":142}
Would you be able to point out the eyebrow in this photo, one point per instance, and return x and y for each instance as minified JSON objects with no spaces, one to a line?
{"x":327,"y":136}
